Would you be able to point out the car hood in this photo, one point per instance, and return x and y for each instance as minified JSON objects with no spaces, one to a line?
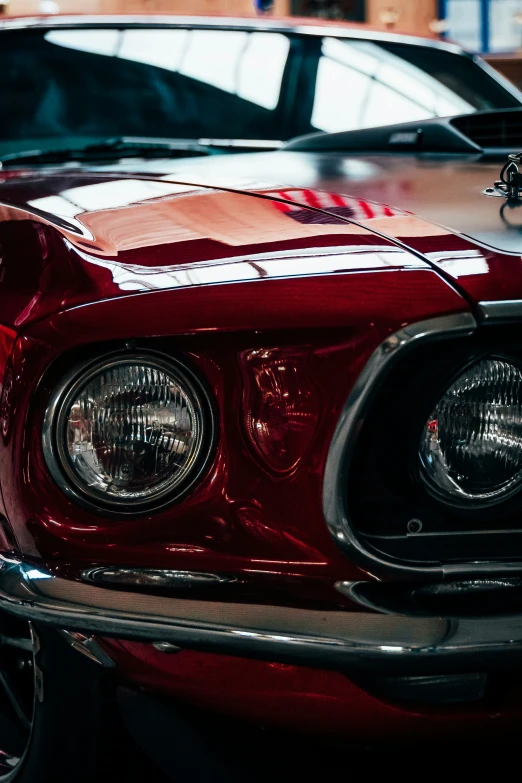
{"x":445,"y":190}
{"x":473,"y":238}
{"x":135,"y":227}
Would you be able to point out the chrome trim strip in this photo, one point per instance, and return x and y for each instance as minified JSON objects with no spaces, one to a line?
{"x":492,"y":72}
{"x":345,"y":435}
{"x":166,"y":647}
{"x":153,"y":577}
{"x":89,"y":647}
{"x":328,"y":639}
{"x":506,"y":310}
{"x":380,"y":597}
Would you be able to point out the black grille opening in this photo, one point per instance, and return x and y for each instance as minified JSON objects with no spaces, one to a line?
{"x":496,"y":130}
{"x":384,"y":491}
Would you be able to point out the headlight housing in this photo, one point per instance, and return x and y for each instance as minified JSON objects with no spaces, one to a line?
{"x":129,"y":433}
{"x":471,"y":447}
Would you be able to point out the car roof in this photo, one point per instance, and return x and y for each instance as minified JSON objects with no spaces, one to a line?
{"x":296,"y":25}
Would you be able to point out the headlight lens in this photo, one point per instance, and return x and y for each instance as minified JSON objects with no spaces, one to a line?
{"x":471,"y":447}
{"x":128,"y":433}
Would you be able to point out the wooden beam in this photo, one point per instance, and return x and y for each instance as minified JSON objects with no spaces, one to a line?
{"x":189,"y":7}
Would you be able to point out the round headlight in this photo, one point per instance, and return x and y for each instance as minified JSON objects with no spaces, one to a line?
{"x":128,"y":433}
{"x":471,"y":447}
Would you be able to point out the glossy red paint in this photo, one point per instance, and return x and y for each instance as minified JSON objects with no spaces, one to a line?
{"x":242,"y":509}
{"x":276,"y":303}
{"x":302,"y":699}
{"x":280,"y":406}
{"x":234,"y":278}
{"x":276,"y":296}
{"x":479,"y":272}
{"x":484,"y":275}
{"x":7,"y":341}
{"x":437,"y":206}
{"x":156,"y":232}
{"x":157,"y":235}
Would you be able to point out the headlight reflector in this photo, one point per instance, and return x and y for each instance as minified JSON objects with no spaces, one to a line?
{"x":128,"y":433}
{"x":471,"y":447}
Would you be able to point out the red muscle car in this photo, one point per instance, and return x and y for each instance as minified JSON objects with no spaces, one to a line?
{"x":261,"y":413}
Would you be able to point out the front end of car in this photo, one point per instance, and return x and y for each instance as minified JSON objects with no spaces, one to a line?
{"x":279,"y":482}
{"x":260,"y":414}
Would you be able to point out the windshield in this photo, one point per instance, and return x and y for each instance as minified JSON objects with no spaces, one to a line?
{"x":62,"y":85}
{"x":390,"y":83}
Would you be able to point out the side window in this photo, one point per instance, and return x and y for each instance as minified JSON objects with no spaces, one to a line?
{"x":360,"y":85}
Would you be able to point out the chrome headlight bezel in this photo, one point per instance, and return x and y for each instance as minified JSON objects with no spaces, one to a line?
{"x":389,"y":516}
{"x":432,"y":474}
{"x":55,"y":427}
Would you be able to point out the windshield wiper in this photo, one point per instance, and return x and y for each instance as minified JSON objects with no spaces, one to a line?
{"x":122,"y":146}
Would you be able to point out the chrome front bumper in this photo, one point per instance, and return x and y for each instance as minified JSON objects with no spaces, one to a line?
{"x":326,"y":639}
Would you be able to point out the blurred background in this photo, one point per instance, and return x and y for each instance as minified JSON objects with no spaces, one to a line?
{"x":491,"y":27}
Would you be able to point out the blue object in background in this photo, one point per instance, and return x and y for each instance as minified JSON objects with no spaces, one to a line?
{"x":262,"y":6}
{"x":483,"y":25}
